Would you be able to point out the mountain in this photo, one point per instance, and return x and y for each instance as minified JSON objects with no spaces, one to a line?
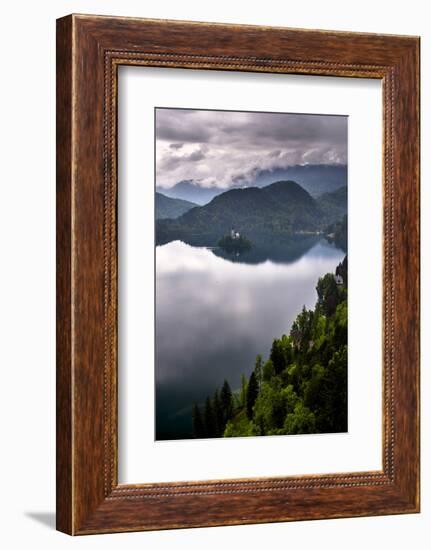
{"x":167,"y":207}
{"x":334,"y":205}
{"x":337,"y":233}
{"x":190,"y":191}
{"x":276,"y":211}
{"x":317,"y":179}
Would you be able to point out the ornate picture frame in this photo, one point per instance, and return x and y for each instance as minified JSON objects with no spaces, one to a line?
{"x":89,"y":51}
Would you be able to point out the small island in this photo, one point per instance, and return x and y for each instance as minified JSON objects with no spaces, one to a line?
{"x":234,"y":242}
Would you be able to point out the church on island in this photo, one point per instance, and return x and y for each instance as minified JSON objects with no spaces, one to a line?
{"x":234,"y":234}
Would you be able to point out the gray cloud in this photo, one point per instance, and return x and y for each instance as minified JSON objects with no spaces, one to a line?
{"x":220,"y":147}
{"x":196,"y":155}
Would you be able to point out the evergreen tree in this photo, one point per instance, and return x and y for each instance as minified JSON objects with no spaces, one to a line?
{"x":258,"y":371}
{"x":328,"y":295}
{"x":341,"y":269}
{"x":301,"y":331}
{"x":302,"y":387}
{"x":252,"y":392}
{"x":243,"y":392}
{"x":277,"y":356}
{"x":226,"y":401}
{"x":268,"y":371}
{"x":301,"y":421}
{"x":218,"y":415}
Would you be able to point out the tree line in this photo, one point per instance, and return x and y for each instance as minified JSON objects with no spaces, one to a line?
{"x":278,"y":210}
{"x":337,"y":233}
{"x":302,"y":386}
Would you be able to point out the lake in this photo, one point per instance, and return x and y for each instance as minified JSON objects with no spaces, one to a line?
{"x":216,"y":311}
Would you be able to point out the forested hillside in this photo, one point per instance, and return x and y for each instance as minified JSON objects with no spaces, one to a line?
{"x":301,"y":387}
{"x":316,"y":179}
{"x":171,"y":208}
{"x":281,"y":209}
{"x":334,"y":205}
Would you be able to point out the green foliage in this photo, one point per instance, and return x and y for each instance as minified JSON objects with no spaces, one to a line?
{"x":269,"y":409}
{"x":343,"y":271}
{"x":277,"y":357}
{"x":268,"y":371}
{"x":329,"y":294}
{"x":337,"y":232}
{"x":302,"y":387}
{"x":302,"y":330}
{"x":243,"y":391}
{"x":218,"y":414}
{"x":226,"y":401}
{"x":279,"y":209}
{"x":258,"y":371}
{"x":300,"y":421}
{"x":334,"y":205}
{"x":313,"y":386}
{"x":166,"y":207}
{"x":230,"y":244}
{"x":252,"y":393}
{"x":333,"y":402}
{"x":240,"y":426}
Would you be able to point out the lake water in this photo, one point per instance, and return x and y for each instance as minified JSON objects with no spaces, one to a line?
{"x":215,"y":312}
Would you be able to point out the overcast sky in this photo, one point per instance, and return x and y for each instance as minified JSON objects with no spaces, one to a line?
{"x":217,"y":148}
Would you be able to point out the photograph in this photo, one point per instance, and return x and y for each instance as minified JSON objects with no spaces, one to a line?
{"x":215,"y":233}
{"x":251,"y":276}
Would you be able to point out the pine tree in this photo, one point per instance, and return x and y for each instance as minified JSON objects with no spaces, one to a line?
{"x":277,"y":356}
{"x":226,"y":401}
{"x":243,"y":392}
{"x":218,"y":415}
{"x":258,"y":368}
{"x":252,"y":391}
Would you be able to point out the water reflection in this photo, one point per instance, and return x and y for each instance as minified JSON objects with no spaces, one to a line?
{"x":215,"y":313}
{"x":286,"y":252}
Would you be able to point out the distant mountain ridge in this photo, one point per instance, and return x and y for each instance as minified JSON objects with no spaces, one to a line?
{"x":166,"y":207}
{"x":317,"y":179}
{"x":334,"y":205}
{"x":191,"y":191}
{"x":280,"y":209}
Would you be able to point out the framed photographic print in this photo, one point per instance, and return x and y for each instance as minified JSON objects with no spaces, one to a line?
{"x":237,"y":274}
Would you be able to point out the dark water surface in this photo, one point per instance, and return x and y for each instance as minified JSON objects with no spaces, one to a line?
{"x":216,"y":311}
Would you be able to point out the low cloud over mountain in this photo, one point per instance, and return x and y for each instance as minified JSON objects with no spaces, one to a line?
{"x":224,"y":149}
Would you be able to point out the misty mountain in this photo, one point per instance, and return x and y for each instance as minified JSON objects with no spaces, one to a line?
{"x":317,"y":179}
{"x":337,"y":233}
{"x":191,"y":191}
{"x":280,"y":209}
{"x":334,"y":205}
{"x":166,"y":207}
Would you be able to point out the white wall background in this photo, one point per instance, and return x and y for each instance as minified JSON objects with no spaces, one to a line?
{"x":27,"y":279}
